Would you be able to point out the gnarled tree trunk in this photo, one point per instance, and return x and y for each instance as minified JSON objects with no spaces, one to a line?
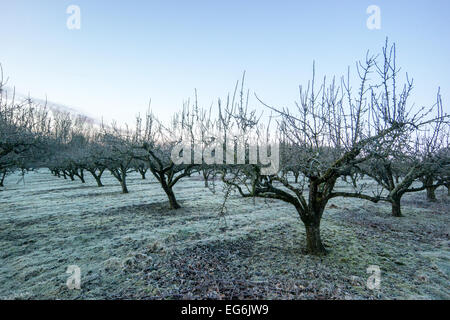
{"x":313,"y":241}
{"x":97,"y":177}
{"x":171,"y":196}
{"x":80,"y":175}
{"x":396,"y":207}
{"x":431,"y":195}
{"x":99,"y":181}
{"x":311,"y":218}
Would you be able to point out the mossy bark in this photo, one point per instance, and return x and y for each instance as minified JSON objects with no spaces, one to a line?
{"x":314,"y":244}
{"x":431,"y":195}
{"x":396,"y":207}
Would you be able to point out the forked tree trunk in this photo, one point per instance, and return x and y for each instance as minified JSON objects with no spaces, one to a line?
{"x":81,"y":176}
{"x":121,"y":176}
{"x":296,"y":174}
{"x":160,"y":176}
{"x":142,"y":172}
{"x":97,"y":178}
{"x":311,"y":219}
{"x":99,"y":181}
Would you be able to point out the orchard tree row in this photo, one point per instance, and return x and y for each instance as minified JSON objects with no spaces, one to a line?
{"x":336,"y":134}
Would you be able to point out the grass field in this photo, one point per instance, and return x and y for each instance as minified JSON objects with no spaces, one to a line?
{"x":131,"y":246}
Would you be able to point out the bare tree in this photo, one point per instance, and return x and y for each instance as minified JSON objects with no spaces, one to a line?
{"x":118,"y":153}
{"x":24,"y":129}
{"x":414,"y":158}
{"x":141,"y":167}
{"x":437,"y":168}
{"x":153,"y":145}
{"x":334,"y":131}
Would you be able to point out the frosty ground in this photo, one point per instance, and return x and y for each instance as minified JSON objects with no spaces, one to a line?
{"x":130,"y":246}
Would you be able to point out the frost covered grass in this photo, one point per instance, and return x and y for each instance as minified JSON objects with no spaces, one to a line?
{"x":132,"y":246}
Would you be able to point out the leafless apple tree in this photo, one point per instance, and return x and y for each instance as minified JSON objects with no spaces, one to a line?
{"x":24,"y":130}
{"x":334,"y":131}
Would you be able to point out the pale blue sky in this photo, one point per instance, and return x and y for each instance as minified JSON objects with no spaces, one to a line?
{"x":130,"y":51}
